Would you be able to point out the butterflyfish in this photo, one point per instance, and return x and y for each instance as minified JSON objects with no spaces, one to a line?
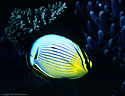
{"x":56,"y":56}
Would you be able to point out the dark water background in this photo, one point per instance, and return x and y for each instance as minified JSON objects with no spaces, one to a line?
{"x":16,"y":77}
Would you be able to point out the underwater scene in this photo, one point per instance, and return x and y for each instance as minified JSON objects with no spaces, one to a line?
{"x":62,"y":48}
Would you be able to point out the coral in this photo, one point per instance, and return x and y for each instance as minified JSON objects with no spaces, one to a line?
{"x":24,"y":24}
{"x":103,"y":26}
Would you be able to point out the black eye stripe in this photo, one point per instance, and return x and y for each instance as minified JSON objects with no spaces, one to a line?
{"x":36,"y":55}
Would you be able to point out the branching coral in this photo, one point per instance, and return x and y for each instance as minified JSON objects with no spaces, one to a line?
{"x":24,"y":24}
{"x":103,"y":25}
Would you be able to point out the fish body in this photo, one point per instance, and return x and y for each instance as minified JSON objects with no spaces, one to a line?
{"x":58,"y":57}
